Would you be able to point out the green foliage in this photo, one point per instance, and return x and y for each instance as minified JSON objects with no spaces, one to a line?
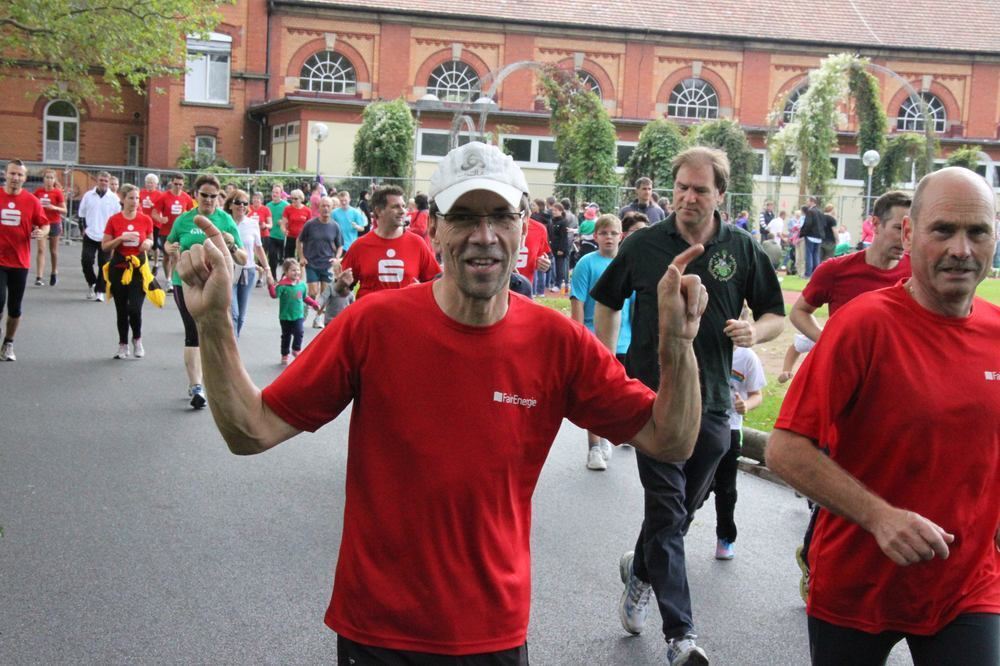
{"x":900,"y":152}
{"x":584,"y":140}
{"x":965,"y":156}
{"x":71,"y":47}
{"x":872,"y":121}
{"x":730,"y":138}
{"x":190,"y":160}
{"x":383,"y":146}
{"x":659,"y":142}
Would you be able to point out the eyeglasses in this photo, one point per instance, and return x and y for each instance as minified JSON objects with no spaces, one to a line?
{"x":504,"y":220}
{"x":207,"y":195}
{"x":241,"y":203}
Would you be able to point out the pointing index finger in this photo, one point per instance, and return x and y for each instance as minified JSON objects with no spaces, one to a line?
{"x":682,"y":260}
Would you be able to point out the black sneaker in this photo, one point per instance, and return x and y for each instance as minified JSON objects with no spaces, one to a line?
{"x":197,"y":393}
{"x":53,"y":279}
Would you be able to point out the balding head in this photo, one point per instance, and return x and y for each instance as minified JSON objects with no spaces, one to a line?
{"x":950,"y":186}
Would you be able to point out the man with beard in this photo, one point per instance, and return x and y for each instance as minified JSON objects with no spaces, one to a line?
{"x":434,"y":562}
{"x":903,"y":394}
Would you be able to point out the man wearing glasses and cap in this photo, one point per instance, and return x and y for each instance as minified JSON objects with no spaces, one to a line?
{"x":434,"y":562}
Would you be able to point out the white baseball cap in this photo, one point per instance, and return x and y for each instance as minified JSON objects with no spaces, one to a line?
{"x":477,"y":166}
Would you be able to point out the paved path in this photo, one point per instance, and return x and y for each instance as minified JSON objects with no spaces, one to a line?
{"x":133,"y":536}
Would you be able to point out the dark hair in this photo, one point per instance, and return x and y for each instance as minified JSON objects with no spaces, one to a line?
{"x":18,"y":163}
{"x":566,"y":204}
{"x":207,"y":179}
{"x":643,"y":180}
{"x":237,"y":193}
{"x":421,"y":200}
{"x":381,"y":196}
{"x":633,"y":218}
{"x":885,"y":203}
{"x":701,"y":155}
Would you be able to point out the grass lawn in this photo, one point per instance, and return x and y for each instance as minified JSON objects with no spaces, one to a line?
{"x":988,"y":288}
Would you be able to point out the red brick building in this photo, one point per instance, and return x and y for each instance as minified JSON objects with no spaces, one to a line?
{"x":273,"y":68}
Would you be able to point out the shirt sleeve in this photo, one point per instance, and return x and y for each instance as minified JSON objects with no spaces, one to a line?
{"x":817,"y":290}
{"x":615,"y":284}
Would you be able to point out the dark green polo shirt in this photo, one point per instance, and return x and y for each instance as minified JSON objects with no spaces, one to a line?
{"x":733,"y":268}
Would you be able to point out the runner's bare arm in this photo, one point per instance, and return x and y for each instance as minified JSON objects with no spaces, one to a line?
{"x":905,"y":537}
{"x":606,"y":324}
{"x":749,"y":333}
{"x":803,"y":319}
{"x":672,"y":430}
{"x":246,"y":423}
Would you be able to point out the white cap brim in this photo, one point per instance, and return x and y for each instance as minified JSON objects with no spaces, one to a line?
{"x":447,"y":197}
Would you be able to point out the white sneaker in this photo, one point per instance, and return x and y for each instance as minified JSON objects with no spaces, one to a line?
{"x":7,"y":352}
{"x":595,"y":459}
{"x":137,"y":349}
{"x":122,"y":351}
{"x":684,"y":652}
{"x":91,"y":294}
{"x":317,"y":323}
{"x":633,"y":608}
{"x":606,"y":450}
{"x":100,"y":297}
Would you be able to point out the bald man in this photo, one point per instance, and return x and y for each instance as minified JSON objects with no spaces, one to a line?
{"x":903,"y":390}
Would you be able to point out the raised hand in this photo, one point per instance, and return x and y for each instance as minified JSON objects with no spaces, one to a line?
{"x":207,"y":273}
{"x":682,"y":298}
{"x":907,"y":537}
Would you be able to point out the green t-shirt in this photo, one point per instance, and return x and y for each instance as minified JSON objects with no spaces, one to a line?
{"x":291,"y":300}
{"x":277,"y":208}
{"x":187,"y":233}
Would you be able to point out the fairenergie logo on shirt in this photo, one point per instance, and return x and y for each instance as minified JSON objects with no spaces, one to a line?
{"x":992,"y":376}
{"x":509,"y":399}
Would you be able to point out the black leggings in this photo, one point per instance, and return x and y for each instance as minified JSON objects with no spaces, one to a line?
{"x":358,"y":654}
{"x":275,"y":255}
{"x":128,"y":301}
{"x":12,"y":284}
{"x":291,"y":335}
{"x":190,"y":330}
{"x":969,"y":640}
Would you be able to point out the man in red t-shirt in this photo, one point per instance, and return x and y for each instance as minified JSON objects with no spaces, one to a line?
{"x":534,"y":253}
{"x":434,"y":561}
{"x":148,"y":198}
{"x":21,"y":219}
{"x":171,"y":205}
{"x":903,"y":391}
{"x":389,"y":257}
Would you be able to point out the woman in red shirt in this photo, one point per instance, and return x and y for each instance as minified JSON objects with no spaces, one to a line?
{"x":54,"y":203}
{"x":128,"y":235}
{"x":293,"y":218}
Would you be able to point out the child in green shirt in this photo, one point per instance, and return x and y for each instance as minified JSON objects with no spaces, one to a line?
{"x":292,"y":299}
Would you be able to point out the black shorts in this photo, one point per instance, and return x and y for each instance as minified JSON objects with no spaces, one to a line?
{"x":350,"y":653}
{"x":55,"y":229}
{"x":12,"y":284}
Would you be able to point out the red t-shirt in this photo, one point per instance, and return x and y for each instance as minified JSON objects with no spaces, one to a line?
{"x":418,"y":223}
{"x":435,"y":549}
{"x":118,"y":224}
{"x":54,"y":197}
{"x":839,"y":280}
{"x":263,"y":215}
{"x":172,"y":207}
{"x":147,"y":201}
{"x":393,"y":263}
{"x":296,"y":218}
{"x":908,"y":402}
{"x":18,"y":214}
{"x":535,"y":245}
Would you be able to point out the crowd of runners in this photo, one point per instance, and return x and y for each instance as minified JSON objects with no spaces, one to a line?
{"x":891,"y":427}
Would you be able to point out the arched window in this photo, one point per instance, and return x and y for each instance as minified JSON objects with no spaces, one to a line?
{"x":693,"y":98}
{"x":454,"y":81}
{"x":589,"y":82}
{"x":62,"y":125}
{"x":911,"y":113}
{"x":328,"y":72}
{"x":792,"y":104}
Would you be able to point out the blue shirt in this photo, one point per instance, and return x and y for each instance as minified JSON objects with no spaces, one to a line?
{"x":588,"y":269}
{"x":344,"y":219}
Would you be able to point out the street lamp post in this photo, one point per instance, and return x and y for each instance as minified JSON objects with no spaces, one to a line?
{"x":319,"y":132}
{"x":870,"y":159}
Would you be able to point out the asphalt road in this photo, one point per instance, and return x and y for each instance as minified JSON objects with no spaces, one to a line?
{"x":132,"y":535}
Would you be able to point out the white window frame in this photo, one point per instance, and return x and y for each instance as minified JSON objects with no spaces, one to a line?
{"x":420,"y":143}
{"x":328,"y":68}
{"x":621,"y":169}
{"x":534,"y":162}
{"x":133,"y":148}
{"x":684,"y":89}
{"x":198,"y":79}
{"x":65,"y":151}
{"x":278,"y":133}
{"x":207,"y":138}
{"x":292,"y":132}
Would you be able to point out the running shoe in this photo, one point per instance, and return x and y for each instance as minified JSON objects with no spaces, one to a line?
{"x":606,"y":450}
{"x":91,"y":293}
{"x":285,"y":359}
{"x":634,"y":605}
{"x":38,"y":281}
{"x":7,"y":352}
{"x":197,"y":393}
{"x":137,"y":349}
{"x":596,"y":460}
{"x":684,"y":652}
{"x":724,"y":550}
{"x":100,"y":297}
{"x":53,"y":279}
{"x":122,"y":351}
{"x":317,"y":323}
